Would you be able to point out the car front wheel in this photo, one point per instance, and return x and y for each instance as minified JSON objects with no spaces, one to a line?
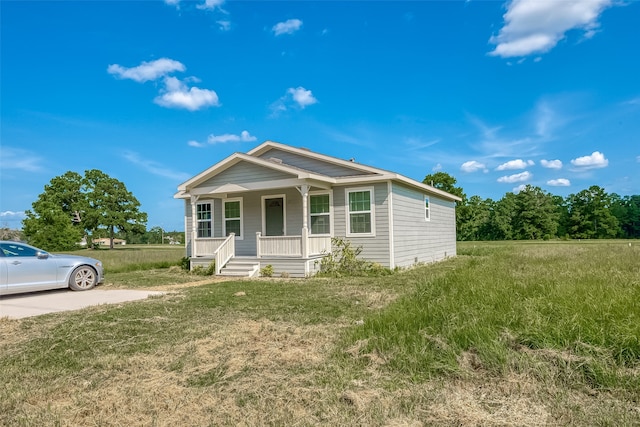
{"x":83,"y":278}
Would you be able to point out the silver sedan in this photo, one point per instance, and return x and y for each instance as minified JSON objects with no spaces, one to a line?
{"x":24,"y":268}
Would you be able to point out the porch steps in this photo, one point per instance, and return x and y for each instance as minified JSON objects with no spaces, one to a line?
{"x":240,"y":268}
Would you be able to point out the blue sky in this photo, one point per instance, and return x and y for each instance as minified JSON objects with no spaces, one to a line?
{"x":497,"y":94}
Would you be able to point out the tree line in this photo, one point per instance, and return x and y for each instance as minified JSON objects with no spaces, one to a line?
{"x":75,"y":207}
{"x":534,"y":213}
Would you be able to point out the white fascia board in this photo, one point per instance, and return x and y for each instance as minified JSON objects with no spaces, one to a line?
{"x":362,"y":179}
{"x":427,"y":188}
{"x":399,"y":178}
{"x":324,"y":184}
{"x":248,"y":186}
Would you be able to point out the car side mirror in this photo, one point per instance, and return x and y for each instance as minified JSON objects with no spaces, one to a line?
{"x":42,"y":255}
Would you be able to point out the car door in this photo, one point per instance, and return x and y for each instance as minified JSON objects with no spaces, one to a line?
{"x":3,"y":274}
{"x":28,"y":269}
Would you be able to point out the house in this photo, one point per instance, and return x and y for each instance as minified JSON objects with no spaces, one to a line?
{"x":105,"y":241}
{"x":280,"y":205}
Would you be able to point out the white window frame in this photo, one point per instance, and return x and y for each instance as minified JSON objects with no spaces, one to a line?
{"x":371,"y":211}
{"x":224,"y":218}
{"x":427,"y":208}
{"x":210,"y":220}
{"x":322,"y":193}
{"x":264,"y":214}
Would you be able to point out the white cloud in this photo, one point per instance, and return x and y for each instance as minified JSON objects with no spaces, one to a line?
{"x":194,"y":143}
{"x":16,"y":158}
{"x":551,"y":164}
{"x":472,"y":166}
{"x":10,"y":216}
{"x":302,"y":96}
{"x":224,"y":25}
{"x":289,"y":26}
{"x":546,"y":119}
{"x":515,"y":164}
{"x":154,"y":167}
{"x":560,"y":182}
{"x":519,"y":188}
{"x":294,"y":97}
{"x":594,"y":161}
{"x":146,"y":70}
{"x":227,"y":137}
{"x":638,"y":159}
{"x":519,"y":177}
{"x":211,"y":4}
{"x":212,"y":139}
{"x":176,"y":94}
{"x":437,"y":168}
{"x":536,"y":26}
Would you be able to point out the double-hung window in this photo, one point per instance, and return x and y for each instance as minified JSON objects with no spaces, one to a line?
{"x":204,"y":219}
{"x":360,"y":213}
{"x":233,"y":217}
{"x":427,"y":210}
{"x":320,"y":213}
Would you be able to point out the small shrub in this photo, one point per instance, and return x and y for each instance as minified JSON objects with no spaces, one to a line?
{"x":343,"y":261}
{"x":211,"y":270}
{"x":284,"y":275}
{"x":201,"y":271}
{"x":266,"y":271}
{"x":185,"y":263}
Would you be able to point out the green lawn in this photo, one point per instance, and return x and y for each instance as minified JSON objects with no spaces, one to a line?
{"x":505,"y":334}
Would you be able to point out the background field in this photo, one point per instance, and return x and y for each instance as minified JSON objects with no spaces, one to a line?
{"x":507,"y":333}
{"x":135,"y":257}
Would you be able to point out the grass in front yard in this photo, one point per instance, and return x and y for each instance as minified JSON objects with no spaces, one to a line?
{"x":506,"y":334}
{"x":575,"y":306}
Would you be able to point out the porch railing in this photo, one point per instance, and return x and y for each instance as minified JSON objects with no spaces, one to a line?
{"x":292,"y":246}
{"x":225,"y":252}
{"x":207,"y":246}
{"x":319,"y":245}
{"x":279,"y":245}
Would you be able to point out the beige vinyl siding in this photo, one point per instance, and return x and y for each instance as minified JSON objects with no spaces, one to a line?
{"x":415,"y":238}
{"x":244,"y":172}
{"x":311,"y":164}
{"x":374,"y":248}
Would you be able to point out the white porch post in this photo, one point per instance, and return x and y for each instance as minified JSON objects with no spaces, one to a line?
{"x":258,"y":254}
{"x":194,"y":226}
{"x":304,"y":191}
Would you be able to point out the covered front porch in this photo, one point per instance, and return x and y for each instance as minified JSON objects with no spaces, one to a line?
{"x":288,"y":228}
{"x":295,"y":256}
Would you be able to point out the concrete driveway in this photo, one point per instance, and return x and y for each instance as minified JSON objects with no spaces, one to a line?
{"x":37,"y":303}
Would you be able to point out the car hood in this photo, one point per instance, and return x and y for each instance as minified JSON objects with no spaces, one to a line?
{"x":75,"y":258}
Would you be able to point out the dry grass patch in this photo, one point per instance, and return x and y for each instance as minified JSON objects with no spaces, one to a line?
{"x":461,"y":343}
{"x":236,"y":374}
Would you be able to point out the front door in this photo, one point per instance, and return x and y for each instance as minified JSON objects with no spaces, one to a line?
{"x":274,"y":216}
